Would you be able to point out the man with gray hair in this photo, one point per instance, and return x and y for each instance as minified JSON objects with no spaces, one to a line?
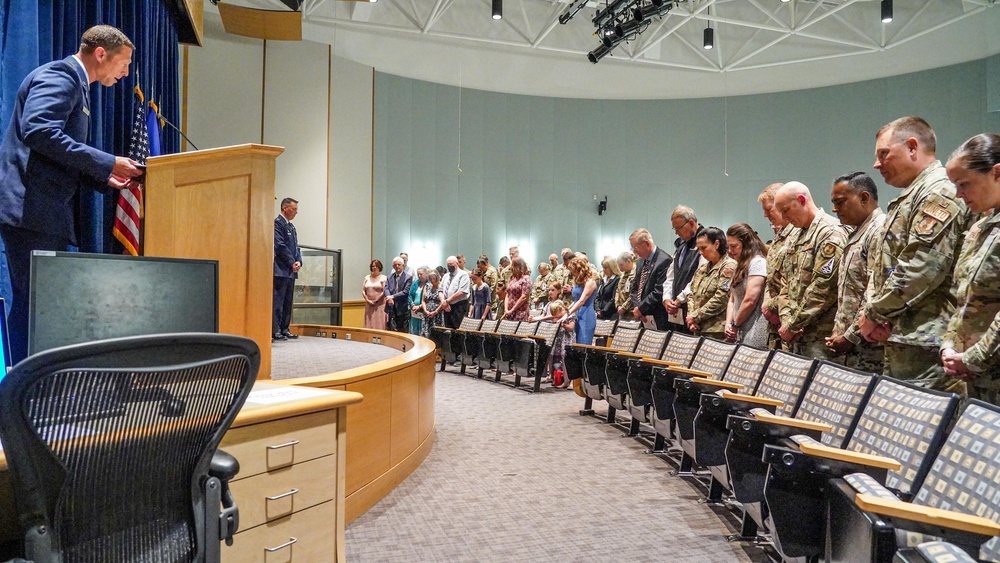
{"x":683,"y":266}
{"x":397,"y":293}
{"x":647,"y":290}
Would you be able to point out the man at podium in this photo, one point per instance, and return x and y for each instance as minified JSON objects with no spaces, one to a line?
{"x":44,"y":156}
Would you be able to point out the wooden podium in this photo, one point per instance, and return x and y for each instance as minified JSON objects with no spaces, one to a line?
{"x":218,"y":204}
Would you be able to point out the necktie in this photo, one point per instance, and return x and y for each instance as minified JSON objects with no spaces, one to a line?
{"x":684,"y":248}
{"x":643,"y":275}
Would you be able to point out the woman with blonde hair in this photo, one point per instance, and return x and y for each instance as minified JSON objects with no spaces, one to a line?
{"x":583,"y":290}
{"x":605,"y":300}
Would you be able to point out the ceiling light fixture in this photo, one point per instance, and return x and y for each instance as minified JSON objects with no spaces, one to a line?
{"x":886,"y":11}
{"x":497,"y":9}
{"x":709,"y":42}
{"x":599,"y":53}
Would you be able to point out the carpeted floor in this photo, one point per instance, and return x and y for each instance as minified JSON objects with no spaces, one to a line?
{"x":307,"y":356}
{"x":521,"y":477}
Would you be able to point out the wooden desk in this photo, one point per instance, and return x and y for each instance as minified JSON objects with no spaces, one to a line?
{"x":285,"y":438}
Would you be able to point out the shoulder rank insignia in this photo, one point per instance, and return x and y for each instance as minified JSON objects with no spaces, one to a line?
{"x":829,"y":249}
{"x":827,"y":269}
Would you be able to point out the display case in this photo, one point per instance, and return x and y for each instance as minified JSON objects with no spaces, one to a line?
{"x":319,"y":288}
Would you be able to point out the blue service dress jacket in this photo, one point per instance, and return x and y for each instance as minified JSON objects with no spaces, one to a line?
{"x":286,"y":248}
{"x":44,"y":151}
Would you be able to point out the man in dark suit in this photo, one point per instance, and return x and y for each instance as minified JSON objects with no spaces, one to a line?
{"x":287,"y":261}
{"x":685,"y":262}
{"x":44,"y":158}
{"x":647,"y":289}
{"x":397,"y":293}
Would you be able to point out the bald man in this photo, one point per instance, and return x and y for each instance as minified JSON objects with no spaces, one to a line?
{"x":809,"y":304}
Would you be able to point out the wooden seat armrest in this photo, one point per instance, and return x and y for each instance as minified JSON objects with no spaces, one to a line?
{"x":523,"y":336}
{"x":629,"y":354}
{"x":819,"y":450}
{"x":592,"y":347}
{"x":791,"y":422}
{"x":927,"y":515}
{"x":665,"y":363}
{"x":716,"y":383}
{"x":752,"y":399}
{"x":689,"y":371}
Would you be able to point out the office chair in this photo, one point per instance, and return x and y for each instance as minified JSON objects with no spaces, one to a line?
{"x":112,"y":446}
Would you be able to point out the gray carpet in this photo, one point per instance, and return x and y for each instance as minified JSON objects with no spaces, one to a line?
{"x":521,"y":477}
{"x":307,"y":356}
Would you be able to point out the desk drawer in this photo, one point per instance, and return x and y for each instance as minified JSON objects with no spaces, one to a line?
{"x":280,"y":443}
{"x":315,"y":481}
{"x":314,"y":531}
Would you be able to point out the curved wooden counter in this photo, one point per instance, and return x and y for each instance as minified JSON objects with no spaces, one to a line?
{"x":392,"y":430}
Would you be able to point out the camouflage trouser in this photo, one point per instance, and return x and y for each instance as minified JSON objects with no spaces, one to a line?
{"x":866,"y":357}
{"x":985,"y":390}
{"x":813,"y":347}
{"x":921,"y":366}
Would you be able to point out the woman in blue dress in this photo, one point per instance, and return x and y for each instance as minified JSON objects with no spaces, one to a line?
{"x":583,"y":300}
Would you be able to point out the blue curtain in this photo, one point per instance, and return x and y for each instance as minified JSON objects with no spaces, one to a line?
{"x":34,"y":32}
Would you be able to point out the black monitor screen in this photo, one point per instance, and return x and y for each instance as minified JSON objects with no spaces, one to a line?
{"x":77,"y":297}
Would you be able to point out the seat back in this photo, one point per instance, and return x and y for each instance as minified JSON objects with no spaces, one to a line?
{"x":131,"y":424}
{"x":784,"y":379}
{"x":625,"y":324}
{"x":835,"y":396}
{"x":625,"y":338}
{"x":489,"y":325}
{"x":548,"y":331}
{"x":746,"y":367}
{"x":527,"y":328}
{"x":651,"y":343}
{"x":906,"y":423}
{"x":712,"y":357}
{"x":470,"y":323}
{"x":507,"y":327}
{"x":605,"y":327}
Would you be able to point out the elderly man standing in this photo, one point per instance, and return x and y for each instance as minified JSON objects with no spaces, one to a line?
{"x":776,"y":253}
{"x":397,"y":292}
{"x":855,"y":201}
{"x":683,"y":266}
{"x":456,"y":294}
{"x":909,"y":297}
{"x":647,"y":290}
{"x":807,"y":311}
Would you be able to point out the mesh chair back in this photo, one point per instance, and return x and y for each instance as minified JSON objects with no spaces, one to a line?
{"x":527,"y":328}
{"x":625,"y":338}
{"x":746,"y":367}
{"x":489,"y":325}
{"x":626,"y":324}
{"x":786,"y":375}
{"x":470,"y":323}
{"x":713,"y":357}
{"x":604,"y":327}
{"x":114,"y":439}
{"x":834,"y":396}
{"x":507,"y":327}
{"x":651,"y":343}
{"x":903,"y":422}
{"x":548,"y":331}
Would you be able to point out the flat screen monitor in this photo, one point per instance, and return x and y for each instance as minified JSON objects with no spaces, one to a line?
{"x":77,"y":297}
{"x":4,"y":340}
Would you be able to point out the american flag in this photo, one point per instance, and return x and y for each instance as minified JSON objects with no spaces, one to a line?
{"x":127,"y":214}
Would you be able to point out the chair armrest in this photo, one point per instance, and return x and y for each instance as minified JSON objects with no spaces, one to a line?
{"x":525,"y":336}
{"x":751,"y":399}
{"x":927,"y":515}
{"x":592,"y":347}
{"x":819,"y":450}
{"x":769,"y":418}
{"x":715,"y":383}
{"x":223,"y":466}
{"x":693,"y":372}
{"x":629,"y":355}
{"x":664,"y":363}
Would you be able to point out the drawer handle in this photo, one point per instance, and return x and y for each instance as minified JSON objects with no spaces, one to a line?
{"x":288,"y":494}
{"x":285,"y":445}
{"x":282,"y":546}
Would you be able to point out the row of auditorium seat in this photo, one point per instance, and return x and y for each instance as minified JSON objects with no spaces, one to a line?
{"x":819,"y":461}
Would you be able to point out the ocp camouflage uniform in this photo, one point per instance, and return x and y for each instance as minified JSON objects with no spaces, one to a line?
{"x":540,"y":291}
{"x":775,"y":280}
{"x":490,"y":278}
{"x":709,"y":295}
{"x":562,"y":275}
{"x":910,"y":287}
{"x":623,"y":299}
{"x":808,"y":301}
{"x":856,"y":263}
{"x":974,"y":329}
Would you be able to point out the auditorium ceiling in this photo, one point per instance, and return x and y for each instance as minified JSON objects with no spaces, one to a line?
{"x":759,"y":45}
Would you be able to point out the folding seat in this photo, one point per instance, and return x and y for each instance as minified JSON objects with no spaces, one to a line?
{"x":459,"y":338}
{"x":958,"y":501}
{"x":894,"y":440}
{"x":742,"y":372}
{"x":616,"y":370}
{"x":492,"y":345}
{"x":778,"y":391}
{"x":933,"y":552}
{"x":441,"y":336}
{"x":625,"y":339}
{"x":476,"y":344}
{"x":679,"y":352}
{"x":508,"y":349}
{"x":532,"y":355}
{"x":828,"y":410}
{"x":605,"y":329}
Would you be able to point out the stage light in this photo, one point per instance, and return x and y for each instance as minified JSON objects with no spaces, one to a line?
{"x":598,"y":53}
{"x":572,"y":11}
{"x":886,"y":11}
{"x":628,"y":28}
{"x":651,"y":10}
{"x":497,"y":9}
{"x":709,"y":42}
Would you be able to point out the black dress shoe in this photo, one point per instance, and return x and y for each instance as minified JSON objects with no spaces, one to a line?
{"x":288,"y":334}
{"x":278,"y":336}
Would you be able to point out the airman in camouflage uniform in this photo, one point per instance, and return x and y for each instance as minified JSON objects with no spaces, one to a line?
{"x":971,"y":347}
{"x":784,"y":231}
{"x":909,"y":297}
{"x":562,"y":274}
{"x":623,"y":294}
{"x":540,"y":290}
{"x":855,"y":201}
{"x":807,"y":303}
{"x":709,"y":295}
